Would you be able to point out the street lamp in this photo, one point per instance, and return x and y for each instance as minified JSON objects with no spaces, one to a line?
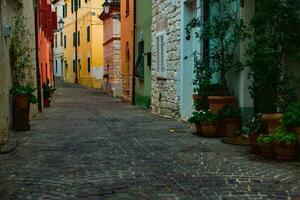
{"x":106,"y":6}
{"x":61,"y":24}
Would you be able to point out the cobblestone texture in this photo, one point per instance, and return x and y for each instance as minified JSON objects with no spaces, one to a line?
{"x":89,"y":146}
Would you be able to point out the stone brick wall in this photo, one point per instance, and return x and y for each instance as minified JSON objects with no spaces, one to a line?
{"x":166,"y":17}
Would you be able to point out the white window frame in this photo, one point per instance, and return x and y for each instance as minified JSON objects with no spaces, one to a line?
{"x":161,"y":57}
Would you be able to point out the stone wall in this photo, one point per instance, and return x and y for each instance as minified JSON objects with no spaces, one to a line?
{"x":165,"y":96}
{"x":7,"y":12}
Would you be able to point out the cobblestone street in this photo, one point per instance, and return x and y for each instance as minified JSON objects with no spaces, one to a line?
{"x":90,"y":146}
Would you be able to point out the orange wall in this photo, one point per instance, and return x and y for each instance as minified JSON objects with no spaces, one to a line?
{"x":127,"y":34}
{"x":45,"y":59}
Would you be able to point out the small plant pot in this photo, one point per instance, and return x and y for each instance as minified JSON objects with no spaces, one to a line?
{"x":254,"y":146}
{"x":272,"y":120}
{"x":216,"y":103}
{"x":21,"y":109}
{"x":198,"y":129}
{"x":284,"y":151}
{"x":47,"y":103}
{"x":232,"y":126}
{"x":209,"y":129}
{"x":267,"y":150}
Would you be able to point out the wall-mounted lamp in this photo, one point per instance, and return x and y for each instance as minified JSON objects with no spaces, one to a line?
{"x":61,"y":24}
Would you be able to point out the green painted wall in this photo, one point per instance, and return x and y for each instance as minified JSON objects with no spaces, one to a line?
{"x":143,"y":33}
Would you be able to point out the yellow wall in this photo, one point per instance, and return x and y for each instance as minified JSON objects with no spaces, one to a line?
{"x":87,"y":16}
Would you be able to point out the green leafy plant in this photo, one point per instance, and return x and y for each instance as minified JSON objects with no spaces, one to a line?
{"x":204,"y":116}
{"x":257,"y":124}
{"x":229,"y":111}
{"x":291,"y":116}
{"x":276,"y":29}
{"x":265,"y":139}
{"x":281,"y":135}
{"x":25,"y":90}
{"x":48,"y":91}
{"x":224,"y":30}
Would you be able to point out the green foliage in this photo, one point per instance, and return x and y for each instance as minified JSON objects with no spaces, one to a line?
{"x":203,"y":116}
{"x":265,"y":139}
{"x":225,"y":31}
{"x":291,"y":117}
{"x":25,"y":90}
{"x":48,"y":91}
{"x":281,"y":135}
{"x":257,"y":124}
{"x":201,"y":104}
{"x":276,"y":29}
{"x":229,"y":111}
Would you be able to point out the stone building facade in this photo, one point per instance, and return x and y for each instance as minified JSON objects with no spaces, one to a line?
{"x":166,"y":30}
{"x":7,"y":13}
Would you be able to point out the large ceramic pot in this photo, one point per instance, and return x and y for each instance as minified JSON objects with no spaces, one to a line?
{"x":210,"y":129}
{"x":47,"y":103}
{"x":232,"y":126}
{"x":267,"y":150}
{"x":218,"y":102}
{"x":198,"y":128}
{"x":254,"y":146}
{"x":284,"y":151}
{"x":21,"y":109}
{"x":296,"y":130}
{"x":272,"y":120}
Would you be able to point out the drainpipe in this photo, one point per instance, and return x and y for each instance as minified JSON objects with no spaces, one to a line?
{"x":134,"y":40}
{"x":38,"y":78}
{"x":76,"y":44}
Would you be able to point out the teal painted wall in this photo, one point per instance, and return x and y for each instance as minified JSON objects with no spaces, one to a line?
{"x":143,"y":33}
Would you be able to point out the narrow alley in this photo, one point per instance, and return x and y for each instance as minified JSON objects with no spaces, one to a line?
{"x":90,"y":146}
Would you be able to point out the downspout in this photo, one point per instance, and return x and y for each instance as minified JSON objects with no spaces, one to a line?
{"x":38,"y":78}
{"x":134,"y":47}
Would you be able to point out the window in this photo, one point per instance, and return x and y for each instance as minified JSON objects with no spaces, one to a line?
{"x":78,"y":38}
{"x":88,"y":32}
{"x":161,"y":52}
{"x":127,"y":7}
{"x":85,"y":1}
{"x":61,"y":39}
{"x":55,"y":40}
{"x":89,"y":64}
{"x":65,"y":41}
{"x":72,"y":6}
{"x":55,"y":66}
{"x":74,"y":39}
{"x":74,"y":63}
{"x":79,"y":3}
{"x":65,"y":10}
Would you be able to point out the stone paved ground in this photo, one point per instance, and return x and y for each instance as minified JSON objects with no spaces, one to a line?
{"x":89,"y":146}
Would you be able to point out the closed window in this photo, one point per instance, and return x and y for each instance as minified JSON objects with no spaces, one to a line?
{"x":55,"y":66}
{"x":74,"y":39}
{"x":74,"y":65}
{"x":89,"y":64}
{"x":55,"y":40}
{"x":65,"y":41}
{"x":161,"y":55}
{"x":127,"y":7}
{"x":88,"y":32}
{"x":78,"y":38}
{"x":61,"y":39}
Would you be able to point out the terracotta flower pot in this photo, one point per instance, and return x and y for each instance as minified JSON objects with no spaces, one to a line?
{"x":210,"y":129}
{"x":222,"y":129}
{"x":232,"y":126}
{"x":267,"y":150}
{"x":254,"y":146}
{"x":296,"y":130}
{"x":284,"y":151}
{"x":21,"y":112}
{"x":218,"y":102}
{"x":47,"y":103}
{"x":198,"y":128}
{"x":272,"y":120}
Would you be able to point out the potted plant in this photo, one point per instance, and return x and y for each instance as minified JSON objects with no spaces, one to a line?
{"x":22,"y":97}
{"x":208,"y":121}
{"x":48,"y":91}
{"x":275,"y":37}
{"x":257,"y":126}
{"x":21,"y":63}
{"x":284,"y":144}
{"x":195,"y":119}
{"x":231,"y":118}
{"x":265,"y":142}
